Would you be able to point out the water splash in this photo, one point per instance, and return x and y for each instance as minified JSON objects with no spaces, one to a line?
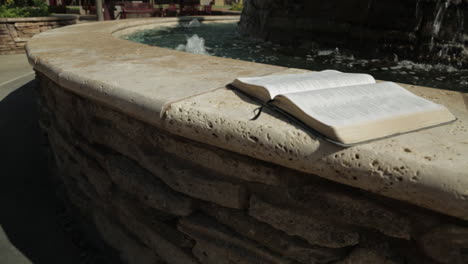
{"x":195,"y":45}
{"x":324,"y":52}
{"x":193,"y":23}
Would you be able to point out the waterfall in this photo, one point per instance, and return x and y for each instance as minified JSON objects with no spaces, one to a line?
{"x":460,"y":26}
{"x":418,"y":15}
{"x":441,"y":8}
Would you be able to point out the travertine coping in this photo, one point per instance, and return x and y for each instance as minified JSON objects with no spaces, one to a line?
{"x":185,"y":95}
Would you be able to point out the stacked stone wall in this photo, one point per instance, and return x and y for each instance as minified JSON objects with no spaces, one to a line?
{"x":15,"y":32}
{"x":161,"y":198}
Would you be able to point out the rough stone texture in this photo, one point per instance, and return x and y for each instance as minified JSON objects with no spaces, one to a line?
{"x":141,"y":84}
{"x":129,"y":208}
{"x":227,"y":247}
{"x":374,"y":252}
{"x":447,"y":244}
{"x":117,"y":170}
{"x":146,"y":187}
{"x":275,"y":240}
{"x":430,"y":30}
{"x":316,"y":231}
{"x":407,"y":167}
{"x":131,"y":251}
{"x":175,"y":171}
{"x":318,"y":200}
{"x":126,"y":152}
{"x":153,"y":236}
{"x":15,"y":32}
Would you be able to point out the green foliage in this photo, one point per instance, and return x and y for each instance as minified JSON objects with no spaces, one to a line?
{"x":237,"y":6}
{"x":6,"y":11}
{"x":24,"y":8}
{"x":72,"y":10}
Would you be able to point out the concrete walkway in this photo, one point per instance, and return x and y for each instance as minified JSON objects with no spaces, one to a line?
{"x":31,"y":229}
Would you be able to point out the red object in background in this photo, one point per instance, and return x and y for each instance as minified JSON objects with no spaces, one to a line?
{"x":171,"y":10}
{"x":139,"y":8}
{"x":207,"y":9}
{"x":107,"y":15}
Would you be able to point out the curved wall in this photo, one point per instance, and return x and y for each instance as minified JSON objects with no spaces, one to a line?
{"x":428,"y":30}
{"x":15,"y":32}
{"x":150,"y":147}
{"x":152,"y":195}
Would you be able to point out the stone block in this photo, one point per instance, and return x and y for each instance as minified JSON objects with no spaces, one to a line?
{"x":208,"y":253}
{"x":341,"y":206}
{"x":129,"y":207}
{"x":216,"y":244}
{"x":12,"y":31}
{"x":77,"y":184}
{"x":197,"y":182}
{"x":169,"y":252}
{"x":179,"y":174}
{"x":446,"y":244}
{"x":142,"y":223}
{"x":25,"y":24}
{"x":372,"y":253}
{"x":315,"y":230}
{"x":20,"y":39}
{"x":79,"y":193}
{"x":31,"y":30}
{"x":151,"y":191}
{"x":125,"y":173}
{"x":277,"y":241}
{"x":131,"y":251}
{"x":96,"y":178}
{"x":229,"y":164}
{"x":146,"y":143}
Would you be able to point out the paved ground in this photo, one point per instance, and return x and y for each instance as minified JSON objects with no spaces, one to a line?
{"x":31,"y":228}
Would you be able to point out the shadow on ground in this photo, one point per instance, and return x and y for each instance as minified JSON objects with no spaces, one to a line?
{"x":29,"y":210}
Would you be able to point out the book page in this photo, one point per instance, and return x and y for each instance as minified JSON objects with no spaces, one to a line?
{"x":291,"y":83}
{"x":358,"y":104}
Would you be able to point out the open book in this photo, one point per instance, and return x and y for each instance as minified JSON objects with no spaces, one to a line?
{"x":344,"y":107}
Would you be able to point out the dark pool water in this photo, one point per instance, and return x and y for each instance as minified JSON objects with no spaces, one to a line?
{"x":223,"y":40}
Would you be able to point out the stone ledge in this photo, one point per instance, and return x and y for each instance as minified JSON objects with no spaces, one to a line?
{"x":426,"y":168}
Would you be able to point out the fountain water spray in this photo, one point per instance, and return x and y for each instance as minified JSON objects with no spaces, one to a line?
{"x":193,"y":23}
{"x":195,"y":45}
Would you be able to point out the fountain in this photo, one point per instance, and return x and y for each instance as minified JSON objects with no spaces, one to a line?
{"x":223,"y":40}
{"x":424,"y":30}
{"x":165,"y":162}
